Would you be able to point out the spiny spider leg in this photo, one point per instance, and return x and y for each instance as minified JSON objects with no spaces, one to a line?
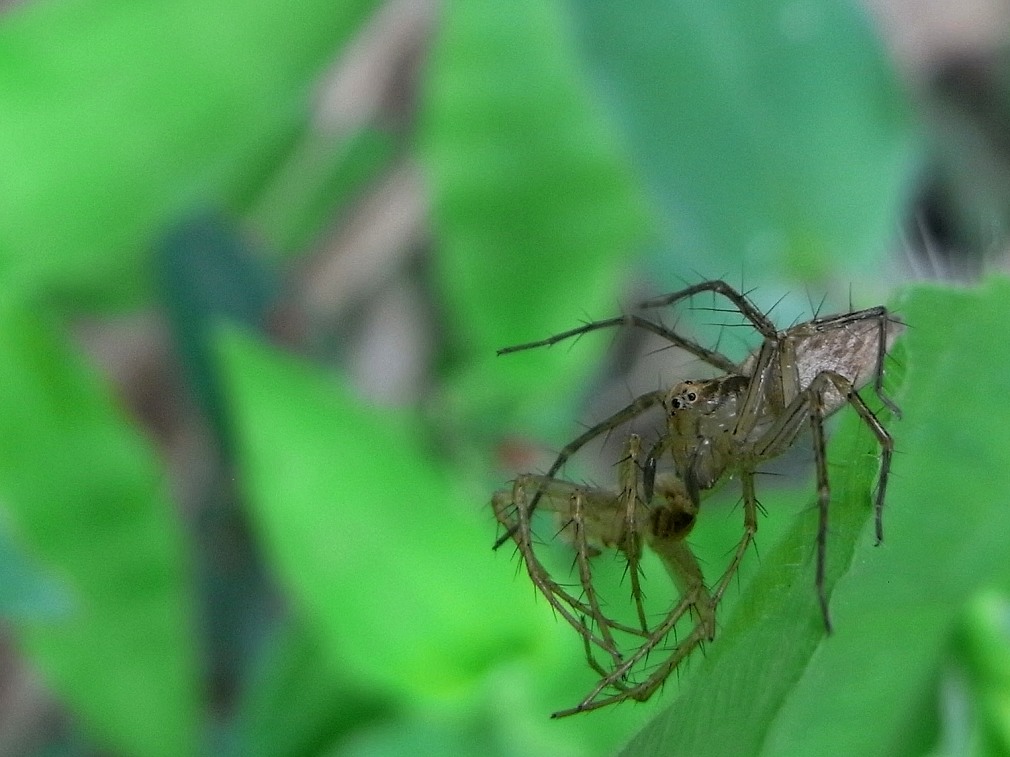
{"x":631,"y":543}
{"x":590,"y":520}
{"x":586,"y":575}
{"x":683,"y":567}
{"x":750,"y":526}
{"x":711,"y":357}
{"x":809,"y":406}
{"x":747,"y":309}
{"x":558,"y":598}
{"x":625,"y":414}
{"x":641,"y":691}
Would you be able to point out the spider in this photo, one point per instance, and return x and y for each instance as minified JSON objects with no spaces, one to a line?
{"x":715,"y":429}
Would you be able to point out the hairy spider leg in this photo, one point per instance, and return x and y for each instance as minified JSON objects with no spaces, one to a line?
{"x":625,"y":414}
{"x":683,"y":566}
{"x":555,"y":594}
{"x":748,"y":310}
{"x":750,"y":527}
{"x":808,"y":405}
{"x":712,"y":357}
{"x":631,"y":544}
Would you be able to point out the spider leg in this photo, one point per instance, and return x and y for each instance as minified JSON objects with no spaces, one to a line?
{"x":711,"y":357}
{"x":586,"y":579}
{"x":809,"y":404}
{"x":594,"y":663}
{"x":625,"y":414}
{"x":559,"y":599}
{"x":631,"y":543}
{"x":643,"y":690}
{"x":884,"y":439}
{"x":683,"y":566}
{"x":761,"y":392}
{"x":747,"y":309}
{"x":592,"y":519}
{"x":816,"y":414}
{"x":750,"y":526}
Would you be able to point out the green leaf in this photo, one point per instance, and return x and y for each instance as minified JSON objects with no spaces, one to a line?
{"x":87,"y":495}
{"x":118,"y":115}
{"x":983,"y":649}
{"x":296,"y":703}
{"x":535,"y":212}
{"x":945,"y":534}
{"x":317,"y":180}
{"x":773,"y":134}
{"x":771,"y":683}
{"x":375,"y":542}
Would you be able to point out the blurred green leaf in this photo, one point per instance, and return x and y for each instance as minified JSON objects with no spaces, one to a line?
{"x":320,"y":176}
{"x":771,"y":676}
{"x":296,"y":703}
{"x":372,"y":539}
{"x":535,"y":213}
{"x":85,"y":492}
{"x":207,"y":271}
{"x":118,"y":115}
{"x":983,"y":648}
{"x":774,"y":135}
{"x":414,"y":736}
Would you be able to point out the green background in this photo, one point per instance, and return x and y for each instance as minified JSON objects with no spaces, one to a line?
{"x":161,"y":159}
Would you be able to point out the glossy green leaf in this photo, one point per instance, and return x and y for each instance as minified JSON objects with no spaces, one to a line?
{"x":771,"y":682}
{"x":535,"y":212}
{"x":85,"y":492}
{"x":773,"y":134}
{"x":117,"y":115}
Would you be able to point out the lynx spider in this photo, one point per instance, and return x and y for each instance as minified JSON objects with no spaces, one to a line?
{"x":715,"y":429}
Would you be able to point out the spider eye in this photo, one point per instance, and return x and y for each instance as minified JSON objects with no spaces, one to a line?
{"x":691,"y":396}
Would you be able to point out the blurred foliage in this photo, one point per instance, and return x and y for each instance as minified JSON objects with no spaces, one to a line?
{"x":718,"y":100}
{"x":535,"y":214}
{"x":86,"y":490}
{"x":119,"y":114}
{"x":569,"y":151}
